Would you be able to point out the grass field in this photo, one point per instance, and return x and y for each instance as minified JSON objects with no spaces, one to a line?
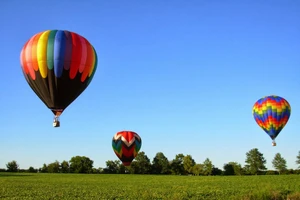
{"x":104,"y":186}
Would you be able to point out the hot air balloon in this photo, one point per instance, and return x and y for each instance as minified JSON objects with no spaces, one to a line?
{"x":126,"y":145}
{"x":58,"y":65}
{"x":272,"y":113}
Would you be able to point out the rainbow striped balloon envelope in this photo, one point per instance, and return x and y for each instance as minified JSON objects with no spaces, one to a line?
{"x":126,"y":145}
{"x":272,"y":113}
{"x":58,"y":65}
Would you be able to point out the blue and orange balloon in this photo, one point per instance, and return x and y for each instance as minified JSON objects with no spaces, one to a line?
{"x":58,"y":66}
{"x":126,"y":145}
{"x":272,"y":113}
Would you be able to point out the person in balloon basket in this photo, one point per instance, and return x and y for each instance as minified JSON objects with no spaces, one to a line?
{"x":56,"y":122}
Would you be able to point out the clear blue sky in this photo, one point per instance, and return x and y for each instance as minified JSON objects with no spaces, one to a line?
{"x":183,"y":74}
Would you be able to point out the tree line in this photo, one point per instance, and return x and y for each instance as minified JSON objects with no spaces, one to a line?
{"x":180,"y":165}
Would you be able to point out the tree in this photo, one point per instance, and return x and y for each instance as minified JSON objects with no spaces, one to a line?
{"x":279,"y":163}
{"x":96,"y":171}
{"x":207,"y":167}
{"x":64,"y":167}
{"x":177,"y":164}
{"x":271,"y":172}
{"x":12,"y":166}
{"x":2,"y":170}
{"x":112,"y":167}
{"x":122,"y":169}
{"x":198,"y":169}
{"x":255,"y":161}
{"x":44,"y":169}
{"x":141,"y":164}
{"x":228,"y":169}
{"x":233,"y":168}
{"x":238,"y":169}
{"x":54,"y":167}
{"x":32,"y":170}
{"x":216,"y":171}
{"x":81,"y":164}
{"x":291,"y":171}
{"x":298,"y":160}
{"x":160,"y":164}
{"x":188,"y":163}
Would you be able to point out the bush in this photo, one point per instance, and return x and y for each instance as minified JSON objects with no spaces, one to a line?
{"x":272,"y":172}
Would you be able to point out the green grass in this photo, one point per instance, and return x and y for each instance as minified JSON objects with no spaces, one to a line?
{"x":104,"y":186}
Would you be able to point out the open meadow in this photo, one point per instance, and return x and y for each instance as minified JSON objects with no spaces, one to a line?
{"x":123,"y":186}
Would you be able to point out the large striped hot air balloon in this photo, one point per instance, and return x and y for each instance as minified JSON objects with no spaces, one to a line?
{"x":272,"y":113}
{"x":58,"y":66}
{"x":126,"y":145}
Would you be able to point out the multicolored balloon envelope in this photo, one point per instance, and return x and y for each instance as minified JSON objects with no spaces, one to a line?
{"x":126,"y":145}
{"x":58,"y":66}
{"x":272,"y":113}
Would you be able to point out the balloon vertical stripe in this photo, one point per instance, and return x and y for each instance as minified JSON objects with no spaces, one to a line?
{"x":50,"y":50}
{"x":59,"y":53}
{"x":94,"y":63}
{"x":83,"y":54}
{"x":34,"y":59}
{"x":76,"y":55}
{"x":94,"y":67}
{"x":88,"y":63}
{"x":68,"y":53}
{"x":28,"y":57}
{"x":41,"y":53}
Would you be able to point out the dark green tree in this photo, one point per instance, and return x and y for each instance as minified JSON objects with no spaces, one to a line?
{"x":233,"y":168}
{"x":141,"y":164}
{"x":160,"y":164}
{"x":64,"y":167}
{"x":188,"y":164}
{"x":97,"y":170}
{"x":81,"y":164}
{"x":112,"y":167}
{"x":44,"y":169}
{"x":12,"y":166}
{"x":255,"y":161}
{"x":216,"y":171}
{"x":32,"y":170}
{"x":54,"y":167}
{"x":100,"y":170}
{"x":177,"y":165}
{"x":228,"y":169}
{"x":122,"y":169}
{"x":279,"y":163}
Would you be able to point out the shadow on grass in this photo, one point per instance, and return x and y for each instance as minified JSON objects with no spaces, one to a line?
{"x":9,"y":174}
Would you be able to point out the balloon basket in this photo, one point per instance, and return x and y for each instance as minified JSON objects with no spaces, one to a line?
{"x":56,"y":122}
{"x":273,"y":143}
